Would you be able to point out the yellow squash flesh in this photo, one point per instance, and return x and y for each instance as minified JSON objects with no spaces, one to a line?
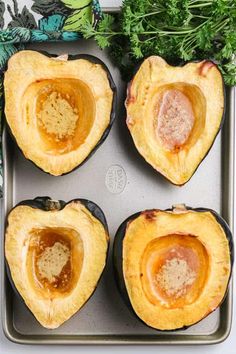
{"x":176,"y":266}
{"x":55,"y":259}
{"x":57,"y":109}
{"x":202,"y":86}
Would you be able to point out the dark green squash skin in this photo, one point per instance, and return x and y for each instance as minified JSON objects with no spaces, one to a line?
{"x":94,"y":60}
{"x":118,"y":258}
{"x":214,"y":138}
{"x":47,"y":204}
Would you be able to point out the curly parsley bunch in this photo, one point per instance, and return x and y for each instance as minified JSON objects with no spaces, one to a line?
{"x":177,"y":30}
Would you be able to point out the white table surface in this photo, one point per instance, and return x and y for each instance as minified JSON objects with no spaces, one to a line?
{"x":227,"y":347}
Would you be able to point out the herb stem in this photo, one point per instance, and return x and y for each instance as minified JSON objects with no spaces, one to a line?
{"x":149,"y":14}
{"x":200,"y":5}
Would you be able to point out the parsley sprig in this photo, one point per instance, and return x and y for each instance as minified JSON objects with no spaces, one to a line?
{"x":177,"y":30}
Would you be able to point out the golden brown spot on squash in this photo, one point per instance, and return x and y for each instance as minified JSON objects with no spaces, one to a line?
{"x":149,"y":214}
{"x":205,"y":67}
{"x":226,"y":270}
{"x":130,"y":97}
{"x":129,"y":121}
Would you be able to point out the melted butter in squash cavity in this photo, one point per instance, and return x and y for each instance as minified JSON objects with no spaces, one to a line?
{"x":54,"y":259}
{"x":64,"y":112}
{"x":174,"y":270}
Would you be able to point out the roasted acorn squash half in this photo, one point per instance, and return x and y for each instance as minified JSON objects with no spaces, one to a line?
{"x":173,"y":267}
{"x":174,"y":114}
{"x":59,"y":109}
{"x":56,"y":253}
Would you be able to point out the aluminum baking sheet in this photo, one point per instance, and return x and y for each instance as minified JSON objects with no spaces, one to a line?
{"x":121,"y":183}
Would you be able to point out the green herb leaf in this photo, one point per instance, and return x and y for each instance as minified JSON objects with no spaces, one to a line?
{"x":177,"y":30}
{"x":106,"y":23}
{"x":79,"y":17}
{"x":76,"y":4}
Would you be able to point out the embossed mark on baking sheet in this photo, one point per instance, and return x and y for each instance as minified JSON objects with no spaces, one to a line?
{"x":115,"y":179}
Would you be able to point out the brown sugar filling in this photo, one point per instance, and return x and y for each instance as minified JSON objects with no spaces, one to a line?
{"x":54,"y":260}
{"x":175,"y":276}
{"x":57,"y":116}
{"x":63,"y":111}
{"x":173,"y":270}
{"x":175,"y":119}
